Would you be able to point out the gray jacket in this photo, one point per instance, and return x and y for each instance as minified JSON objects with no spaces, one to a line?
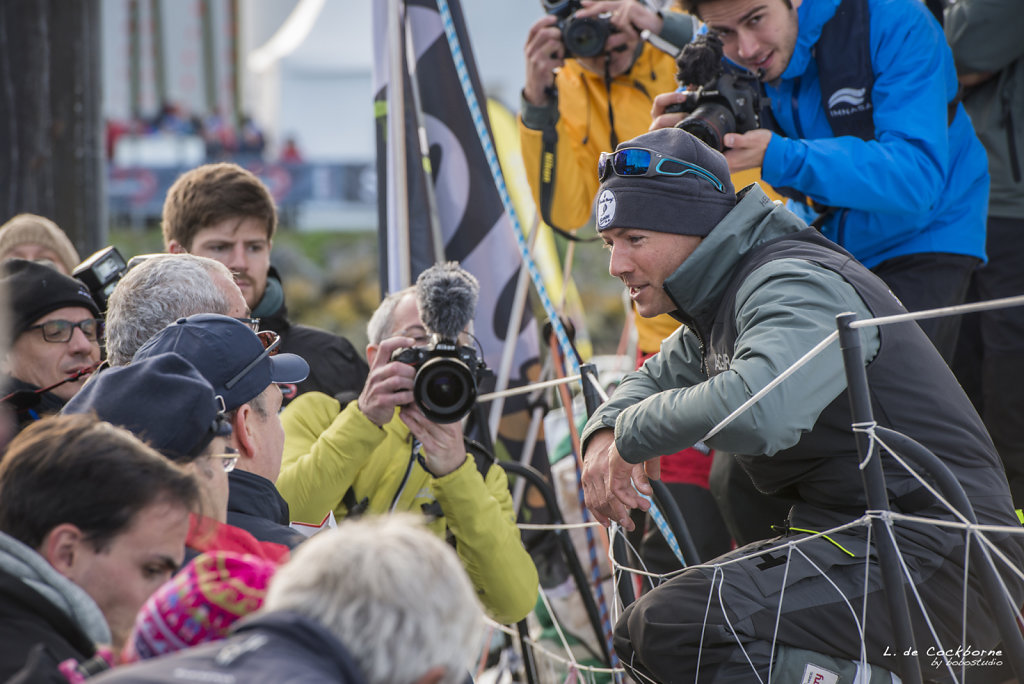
{"x":783,"y":310}
{"x":986,"y":36}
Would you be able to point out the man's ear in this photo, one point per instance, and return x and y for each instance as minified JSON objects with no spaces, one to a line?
{"x":60,"y":548}
{"x":242,"y":436}
{"x":175,"y":247}
{"x":371,"y":353}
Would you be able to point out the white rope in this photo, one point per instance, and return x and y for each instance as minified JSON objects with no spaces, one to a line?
{"x":799,"y":363}
{"x":526,"y":389}
{"x":869,"y":429}
{"x":1003,"y":303}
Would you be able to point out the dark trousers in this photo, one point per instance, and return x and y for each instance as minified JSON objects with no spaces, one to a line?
{"x":708,"y":625}
{"x":989,"y":360}
{"x":930,"y":281}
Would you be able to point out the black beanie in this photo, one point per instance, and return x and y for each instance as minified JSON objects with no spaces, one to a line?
{"x":34,"y":290}
{"x":689,"y":204}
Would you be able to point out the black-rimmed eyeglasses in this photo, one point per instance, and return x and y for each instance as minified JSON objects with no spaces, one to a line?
{"x":61,"y":331}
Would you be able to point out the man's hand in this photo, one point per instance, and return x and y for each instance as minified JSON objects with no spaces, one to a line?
{"x":443,"y":448}
{"x":389,"y":383}
{"x":661,"y":118}
{"x":746,"y":150}
{"x":608,"y":481}
{"x":544,"y":53}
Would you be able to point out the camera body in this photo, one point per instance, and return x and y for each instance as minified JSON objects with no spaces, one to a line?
{"x":445,"y":386}
{"x":582,"y":36}
{"x":728,"y":99}
{"x":101,"y":273}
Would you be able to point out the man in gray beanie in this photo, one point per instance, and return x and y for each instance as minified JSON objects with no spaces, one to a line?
{"x":756,"y":290}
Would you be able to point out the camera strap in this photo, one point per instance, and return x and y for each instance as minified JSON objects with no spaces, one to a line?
{"x":548,"y":157}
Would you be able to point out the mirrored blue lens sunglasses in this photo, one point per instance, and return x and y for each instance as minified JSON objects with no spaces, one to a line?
{"x":636,"y":162}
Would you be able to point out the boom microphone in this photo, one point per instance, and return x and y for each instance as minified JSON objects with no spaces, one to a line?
{"x":446,"y":295}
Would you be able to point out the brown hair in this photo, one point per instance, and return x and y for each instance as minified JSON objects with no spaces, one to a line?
{"x":77,"y":469}
{"x":212,"y":193}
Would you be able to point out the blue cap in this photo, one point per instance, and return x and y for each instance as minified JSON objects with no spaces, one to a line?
{"x":163,"y":400}
{"x":228,"y":354}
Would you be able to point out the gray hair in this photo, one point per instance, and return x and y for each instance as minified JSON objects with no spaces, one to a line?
{"x":156,"y":293}
{"x":385,"y":585}
{"x":382,"y":321}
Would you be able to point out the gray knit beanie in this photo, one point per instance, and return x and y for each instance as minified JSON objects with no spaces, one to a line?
{"x":691,"y":203}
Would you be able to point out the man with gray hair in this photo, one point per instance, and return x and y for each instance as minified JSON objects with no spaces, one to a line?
{"x":376,"y":601}
{"x":381,"y":453}
{"x":159,"y":291}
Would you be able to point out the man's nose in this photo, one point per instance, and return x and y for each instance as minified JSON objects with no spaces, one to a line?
{"x":236,"y":258}
{"x":618,"y":263}
{"x":746,"y":44}
{"x":79,"y":343}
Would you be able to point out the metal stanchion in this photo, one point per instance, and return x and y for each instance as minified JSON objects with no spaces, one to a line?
{"x":878,"y":498}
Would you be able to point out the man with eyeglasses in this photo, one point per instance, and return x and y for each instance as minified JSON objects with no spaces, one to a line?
{"x":380,"y":454}
{"x":188,"y":425}
{"x":756,"y":289}
{"x":54,"y":342}
{"x":244,"y":369}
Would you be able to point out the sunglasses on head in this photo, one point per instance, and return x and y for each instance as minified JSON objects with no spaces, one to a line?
{"x":61,"y":331}
{"x":638,"y":162}
{"x":271,"y":341}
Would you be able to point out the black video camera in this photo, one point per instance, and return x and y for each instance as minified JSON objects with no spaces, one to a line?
{"x":728,"y":99}
{"x":582,"y":36}
{"x":445,"y":386}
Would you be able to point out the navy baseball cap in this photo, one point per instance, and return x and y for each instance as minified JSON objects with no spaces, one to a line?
{"x":239,"y":363}
{"x":163,"y":400}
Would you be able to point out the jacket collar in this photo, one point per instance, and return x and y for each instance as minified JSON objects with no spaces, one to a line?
{"x":699,"y":283}
{"x":812,"y":15}
{"x":257,"y":496}
{"x":31,"y":568}
{"x":308,"y":634}
{"x":271,"y":309}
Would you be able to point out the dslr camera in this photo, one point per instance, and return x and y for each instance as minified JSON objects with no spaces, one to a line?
{"x":582,"y":36}
{"x":445,"y":387}
{"x":728,"y":99}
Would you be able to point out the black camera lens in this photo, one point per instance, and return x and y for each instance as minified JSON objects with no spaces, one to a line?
{"x":710,"y":122}
{"x":444,"y":389}
{"x":585,"y":36}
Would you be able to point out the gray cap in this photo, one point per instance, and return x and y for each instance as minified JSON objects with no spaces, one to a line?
{"x":691,"y":203}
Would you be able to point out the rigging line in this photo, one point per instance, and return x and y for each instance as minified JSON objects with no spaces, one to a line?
{"x":1002,"y":303}
{"x":917,"y":596}
{"x":799,"y":363}
{"x":499,"y":181}
{"x":867,"y":322}
{"x":526,"y":389}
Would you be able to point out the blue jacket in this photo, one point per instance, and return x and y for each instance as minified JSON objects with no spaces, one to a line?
{"x":922,"y":184}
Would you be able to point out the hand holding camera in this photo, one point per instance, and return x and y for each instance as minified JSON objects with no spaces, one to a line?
{"x":726,"y":100}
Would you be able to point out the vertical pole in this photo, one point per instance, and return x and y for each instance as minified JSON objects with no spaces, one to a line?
{"x":398,"y":227}
{"x":134,"y":59}
{"x":878,"y":499}
{"x":209,"y":57}
{"x":156,"y":13}
{"x":235,"y":50}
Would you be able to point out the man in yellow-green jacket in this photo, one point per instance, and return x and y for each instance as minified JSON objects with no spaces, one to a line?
{"x":360,"y":458}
